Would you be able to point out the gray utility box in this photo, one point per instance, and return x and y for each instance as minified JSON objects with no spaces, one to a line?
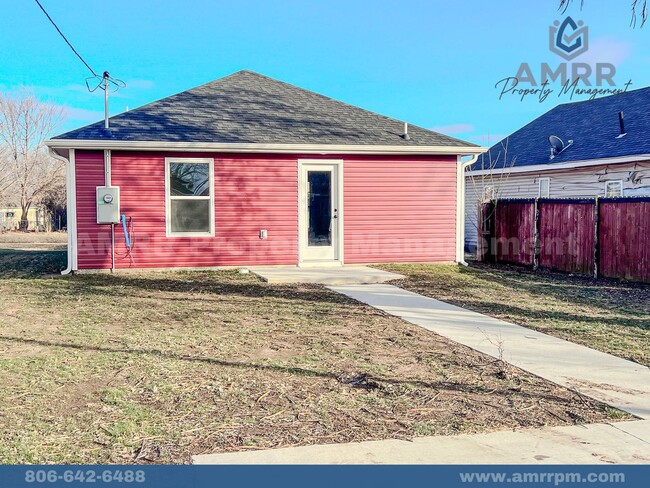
{"x":108,"y":204}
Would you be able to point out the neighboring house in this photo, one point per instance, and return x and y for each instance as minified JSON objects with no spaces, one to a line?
{"x":10,"y":218}
{"x":248,"y":170}
{"x":606,"y":153}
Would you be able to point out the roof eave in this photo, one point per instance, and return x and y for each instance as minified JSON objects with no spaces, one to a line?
{"x":536,"y":168}
{"x":261,"y":148}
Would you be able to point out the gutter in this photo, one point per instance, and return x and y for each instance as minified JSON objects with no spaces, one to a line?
{"x":70,"y":211}
{"x":460,"y":208}
{"x":261,"y":148}
{"x":536,"y":168}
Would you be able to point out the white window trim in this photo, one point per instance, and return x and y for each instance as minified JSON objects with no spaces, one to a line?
{"x":539,"y":187}
{"x":620,"y":183}
{"x":169,"y":197}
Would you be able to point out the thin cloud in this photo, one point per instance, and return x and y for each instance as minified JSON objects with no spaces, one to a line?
{"x":139,"y":84}
{"x":487,"y":139}
{"x":606,"y":50}
{"x":453,"y":128}
{"x":83,"y":115}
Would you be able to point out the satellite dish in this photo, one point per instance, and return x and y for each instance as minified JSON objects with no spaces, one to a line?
{"x":557,"y":145}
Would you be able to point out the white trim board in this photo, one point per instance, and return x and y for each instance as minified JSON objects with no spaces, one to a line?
{"x":339,"y":259}
{"x":71,"y":210}
{"x":261,"y":148}
{"x":168,"y":197}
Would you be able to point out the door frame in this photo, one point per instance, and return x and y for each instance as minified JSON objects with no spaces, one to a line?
{"x":302,"y":211}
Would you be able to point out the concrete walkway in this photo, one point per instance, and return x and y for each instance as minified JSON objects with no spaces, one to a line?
{"x":332,"y":275}
{"x":617,"y":382}
{"x":620,"y":443}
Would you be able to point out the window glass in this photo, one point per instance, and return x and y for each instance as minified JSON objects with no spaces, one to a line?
{"x":613,"y":189}
{"x":544,"y":187}
{"x":190,"y":215}
{"x":320,"y":208}
{"x":190,"y":198}
{"x":189,"y":179}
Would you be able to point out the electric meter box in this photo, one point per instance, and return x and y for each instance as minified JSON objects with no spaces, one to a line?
{"x":108,"y":204}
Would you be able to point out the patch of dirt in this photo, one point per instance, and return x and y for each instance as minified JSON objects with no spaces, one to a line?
{"x":209,"y":362}
{"x":76,"y":396}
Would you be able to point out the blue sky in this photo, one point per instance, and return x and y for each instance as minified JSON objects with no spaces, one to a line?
{"x":432,"y":63}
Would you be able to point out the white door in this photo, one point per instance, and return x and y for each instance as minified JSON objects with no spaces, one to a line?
{"x":320,"y":213}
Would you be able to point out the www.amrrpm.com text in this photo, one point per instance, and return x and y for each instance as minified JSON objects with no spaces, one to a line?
{"x":554,"y":478}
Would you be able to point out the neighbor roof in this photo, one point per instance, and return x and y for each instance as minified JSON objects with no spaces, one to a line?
{"x":247,"y":107}
{"x":592,"y":126}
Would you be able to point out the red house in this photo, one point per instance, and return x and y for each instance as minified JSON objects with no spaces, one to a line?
{"x":248,"y":170}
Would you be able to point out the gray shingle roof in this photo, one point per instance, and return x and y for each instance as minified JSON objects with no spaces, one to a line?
{"x":247,"y":107}
{"x":592,"y":125}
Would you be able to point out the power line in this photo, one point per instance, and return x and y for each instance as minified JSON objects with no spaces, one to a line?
{"x":66,"y":39}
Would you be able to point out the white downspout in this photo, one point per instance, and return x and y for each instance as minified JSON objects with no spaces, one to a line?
{"x":70,"y":202}
{"x":460,"y":208}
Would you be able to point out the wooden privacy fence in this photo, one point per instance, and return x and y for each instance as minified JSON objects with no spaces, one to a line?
{"x":598,"y":236}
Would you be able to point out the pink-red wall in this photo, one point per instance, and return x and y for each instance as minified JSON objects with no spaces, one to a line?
{"x":399,"y":209}
{"x":395,"y":209}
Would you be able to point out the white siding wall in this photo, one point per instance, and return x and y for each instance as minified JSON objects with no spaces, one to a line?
{"x":578,"y":182}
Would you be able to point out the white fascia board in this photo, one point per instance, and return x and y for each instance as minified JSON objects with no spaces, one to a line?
{"x":536,"y":168}
{"x":260,"y":148}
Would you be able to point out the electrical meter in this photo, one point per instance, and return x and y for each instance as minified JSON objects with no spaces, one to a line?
{"x":108,"y":204}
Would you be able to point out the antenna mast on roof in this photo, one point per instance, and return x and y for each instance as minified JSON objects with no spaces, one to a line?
{"x":105,"y":79}
{"x":106,"y":83}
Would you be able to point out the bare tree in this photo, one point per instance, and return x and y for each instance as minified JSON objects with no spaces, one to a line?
{"x":488,"y":186}
{"x":6,"y":180}
{"x":54,"y":203}
{"x":639,"y":9}
{"x":25,"y":124}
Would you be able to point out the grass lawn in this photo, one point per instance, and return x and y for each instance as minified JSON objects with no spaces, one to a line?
{"x":607,"y":315}
{"x":142,"y":368}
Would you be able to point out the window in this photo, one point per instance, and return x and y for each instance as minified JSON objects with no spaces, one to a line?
{"x":544,"y":187}
{"x":189,"y":188}
{"x":613,"y":189}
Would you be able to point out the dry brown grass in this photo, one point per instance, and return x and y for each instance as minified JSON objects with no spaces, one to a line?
{"x":157,"y":367}
{"x":607,"y":315}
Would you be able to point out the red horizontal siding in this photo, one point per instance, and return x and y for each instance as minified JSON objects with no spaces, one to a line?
{"x":93,"y":241}
{"x":251,"y":193}
{"x":399,"y":209}
{"x":395,"y":209}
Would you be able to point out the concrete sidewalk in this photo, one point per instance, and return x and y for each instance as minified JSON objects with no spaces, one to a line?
{"x":612,"y":380}
{"x":615,"y":381}
{"x":331,"y":275}
{"x":620,"y":443}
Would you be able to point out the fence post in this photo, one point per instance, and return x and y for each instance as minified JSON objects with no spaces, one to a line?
{"x":536,"y":241}
{"x":486,"y":231}
{"x":596,"y":237}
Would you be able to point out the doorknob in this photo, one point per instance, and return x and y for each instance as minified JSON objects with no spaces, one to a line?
{"x":335,"y":214}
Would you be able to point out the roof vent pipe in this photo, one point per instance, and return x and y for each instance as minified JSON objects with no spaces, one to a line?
{"x":105,"y":78}
{"x":621,"y":124}
{"x":406,"y":132}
